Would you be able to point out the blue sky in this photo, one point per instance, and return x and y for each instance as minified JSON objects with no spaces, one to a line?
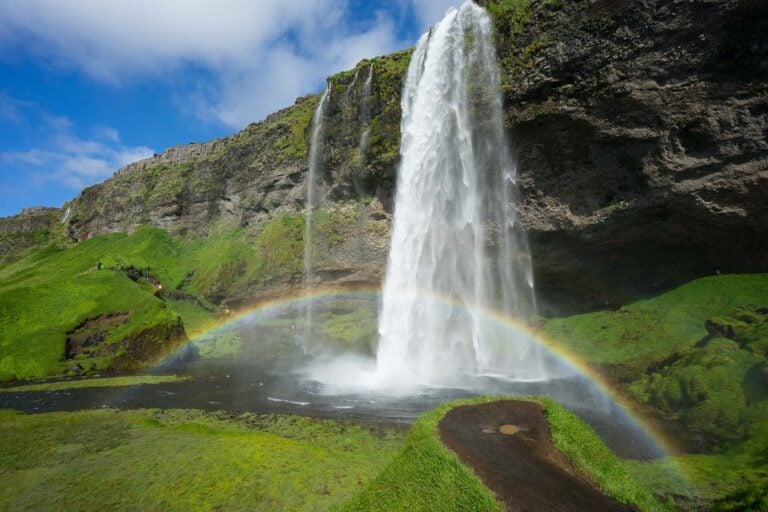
{"x":88,"y":86}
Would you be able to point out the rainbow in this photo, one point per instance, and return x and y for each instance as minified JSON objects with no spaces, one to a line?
{"x":553,"y":348}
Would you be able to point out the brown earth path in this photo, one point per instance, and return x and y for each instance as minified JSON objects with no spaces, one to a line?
{"x":508,"y":445}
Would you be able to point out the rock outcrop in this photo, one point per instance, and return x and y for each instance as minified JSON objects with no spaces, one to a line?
{"x":639,"y":127}
{"x":27,"y":230}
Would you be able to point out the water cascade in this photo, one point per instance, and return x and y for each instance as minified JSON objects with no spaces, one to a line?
{"x":315,"y":152}
{"x":456,"y":249}
{"x":365,"y":114}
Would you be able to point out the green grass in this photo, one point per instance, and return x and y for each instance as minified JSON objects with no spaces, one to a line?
{"x":584,"y":448}
{"x":653,"y":329}
{"x":427,"y":476}
{"x":52,"y":291}
{"x":105,"y":382}
{"x":49,"y":293}
{"x":219,"y":345}
{"x":183,"y":460}
{"x":696,"y":356}
{"x":197,"y":320}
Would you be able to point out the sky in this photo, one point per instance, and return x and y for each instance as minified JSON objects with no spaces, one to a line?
{"x":89,"y":86}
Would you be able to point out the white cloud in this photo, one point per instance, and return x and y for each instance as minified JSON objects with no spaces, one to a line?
{"x":106,"y":132}
{"x":71,"y":160}
{"x":262,"y":54}
{"x":12,"y":109}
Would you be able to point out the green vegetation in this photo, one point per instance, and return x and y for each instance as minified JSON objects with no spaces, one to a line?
{"x":30,"y":230}
{"x":384,"y":142}
{"x":509,"y":19}
{"x":695,"y":356}
{"x":119,"y":288}
{"x":52,"y":292}
{"x":692,"y":480}
{"x":298,"y":121}
{"x":197,"y":319}
{"x":427,"y":476}
{"x":183,"y":460}
{"x":357,"y":329}
{"x":219,"y":345}
{"x":577,"y":441}
{"x":102,"y":382}
{"x":55,"y":293}
{"x":653,"y":329}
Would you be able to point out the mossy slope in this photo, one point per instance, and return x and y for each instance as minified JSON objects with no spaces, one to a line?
{"x":696,"y":356}
{"x":149,"y":278}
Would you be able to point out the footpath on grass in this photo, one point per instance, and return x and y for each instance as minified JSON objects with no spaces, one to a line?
{"x":508,"y":445}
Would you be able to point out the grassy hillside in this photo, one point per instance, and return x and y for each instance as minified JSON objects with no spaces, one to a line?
{"x":111,"y":291}
{"x":696,"y":356}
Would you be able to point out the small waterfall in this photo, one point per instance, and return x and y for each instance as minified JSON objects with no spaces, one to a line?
{"x":315,"y":154}
{"x":458,"y":261}
{"x":365,"y":114}
{"x":351,"y":87}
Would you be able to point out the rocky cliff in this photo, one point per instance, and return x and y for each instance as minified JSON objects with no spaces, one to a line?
{"x":29,"y":229}
{"x":640,"y":131}
{"x":639,"y":128}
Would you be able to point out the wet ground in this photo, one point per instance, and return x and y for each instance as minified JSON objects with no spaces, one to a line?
{"x":508,"y":445}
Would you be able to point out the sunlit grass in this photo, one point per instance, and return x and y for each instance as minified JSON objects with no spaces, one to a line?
{"x":183,"y":460}
{"x":652,"y":329}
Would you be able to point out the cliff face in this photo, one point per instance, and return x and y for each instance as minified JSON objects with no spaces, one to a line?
{"x":27,"y":230}
{"x":639,"y":127}
{"x":640,"y":131}
{"x":243,"y":181}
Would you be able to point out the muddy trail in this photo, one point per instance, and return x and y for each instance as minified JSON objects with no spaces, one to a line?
{"x":508,"y":445}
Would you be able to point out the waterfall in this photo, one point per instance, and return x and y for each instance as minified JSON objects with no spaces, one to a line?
{"x":458,"y":261}
{"x":315,"y":153}
{"x":365,"y":109}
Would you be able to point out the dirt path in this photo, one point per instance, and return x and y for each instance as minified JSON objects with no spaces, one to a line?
{"x":508,"y":445}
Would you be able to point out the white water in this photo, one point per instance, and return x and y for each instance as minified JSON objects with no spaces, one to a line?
{"x":456,"y":251}
{"x":315,"y":150}
{"x":365,"y":109}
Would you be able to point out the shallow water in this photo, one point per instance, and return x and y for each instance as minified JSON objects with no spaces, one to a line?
{"x":270,"y":374}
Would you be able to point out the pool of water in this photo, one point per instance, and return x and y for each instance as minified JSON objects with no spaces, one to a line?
{"x":259,"y":364}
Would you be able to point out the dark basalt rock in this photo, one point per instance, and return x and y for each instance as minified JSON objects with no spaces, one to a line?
{"x":640,"y":133}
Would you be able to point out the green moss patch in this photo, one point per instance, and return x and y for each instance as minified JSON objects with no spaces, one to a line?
{"x":696,"y":357}
{"x":653,"y":329}
{"x":183,"y":460}
{"x":587,"y":452}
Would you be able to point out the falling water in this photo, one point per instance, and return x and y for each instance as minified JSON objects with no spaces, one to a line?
{"x":456,"y":250}
{"x":315,"y":151}
{"x":365,"y":109}
{"x":351,"y":86}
